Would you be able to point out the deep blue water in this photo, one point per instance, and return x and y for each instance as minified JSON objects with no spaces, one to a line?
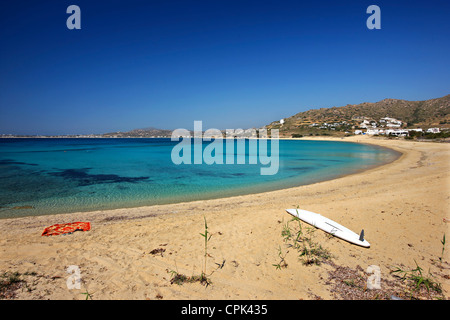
{"x":69,"y":175}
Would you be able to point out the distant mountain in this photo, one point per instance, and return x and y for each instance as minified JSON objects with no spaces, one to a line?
{"x":413,"y":114}
{"x":140,"y":133}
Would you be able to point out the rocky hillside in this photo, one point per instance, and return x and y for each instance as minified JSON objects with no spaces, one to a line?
{"x":413,"y":114}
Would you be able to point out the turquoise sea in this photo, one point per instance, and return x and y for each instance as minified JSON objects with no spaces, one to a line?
{"x":49,"y":176}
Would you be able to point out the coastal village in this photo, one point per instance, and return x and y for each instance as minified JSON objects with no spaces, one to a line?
{"x":388,"y":126}
{"x":360,"y":125}
{"x":385,"y":126}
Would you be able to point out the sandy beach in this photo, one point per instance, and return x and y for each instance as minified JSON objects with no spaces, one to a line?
{"x":131,"y":253}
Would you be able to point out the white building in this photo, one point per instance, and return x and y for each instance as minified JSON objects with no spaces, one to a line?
{"x":433,"y":130}
{"x":364,"y":124}
{"x":391,"y":120}
{"x":373,"y":131}
{"x":397,"y":132}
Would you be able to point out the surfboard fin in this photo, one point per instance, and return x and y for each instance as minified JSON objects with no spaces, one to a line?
{"x":361,"y":236}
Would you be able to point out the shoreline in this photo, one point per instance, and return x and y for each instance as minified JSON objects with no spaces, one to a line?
{"x":112,"y":212}
{"x":392,"y":202}
{"x":253,"y":190}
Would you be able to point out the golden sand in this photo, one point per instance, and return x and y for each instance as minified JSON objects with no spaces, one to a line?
{"x":402,"y":206}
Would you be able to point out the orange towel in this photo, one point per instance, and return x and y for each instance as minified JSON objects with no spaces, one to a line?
{"x":57,"y":229}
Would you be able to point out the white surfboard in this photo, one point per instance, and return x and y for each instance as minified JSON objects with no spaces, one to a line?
{"x":329,"y":226}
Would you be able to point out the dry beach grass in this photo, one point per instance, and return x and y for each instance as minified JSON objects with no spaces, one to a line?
{"x":135,"y":253}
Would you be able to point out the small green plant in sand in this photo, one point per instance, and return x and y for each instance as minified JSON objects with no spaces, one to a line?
{"x":207,"y":237}
{"x":309,"y":251}
{"x":88,"y":295}
{"x":443,"y":248}
{"x":282,"y":263}
{"x":9,"y":282}
{"x":417,"y":279}
{"x":179,"y":279}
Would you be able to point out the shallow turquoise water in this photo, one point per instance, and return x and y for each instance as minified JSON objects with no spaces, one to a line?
{"x":69,"y":175}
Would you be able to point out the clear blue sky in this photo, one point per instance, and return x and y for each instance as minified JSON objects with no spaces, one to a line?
{"x":231,"y":64}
